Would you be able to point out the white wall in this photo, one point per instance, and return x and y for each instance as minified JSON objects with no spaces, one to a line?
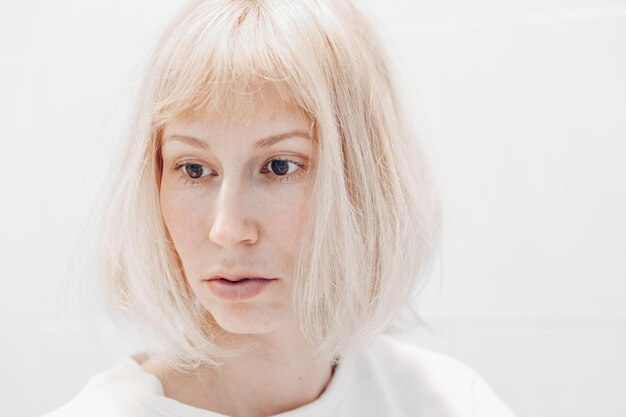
{"x":522,"y":105}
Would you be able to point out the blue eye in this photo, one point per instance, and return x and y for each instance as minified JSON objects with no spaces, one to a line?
{"x":282,"y":170}
{"x":194,"y":170}
{"x":190,"y":172}
{"x":280,"y":167}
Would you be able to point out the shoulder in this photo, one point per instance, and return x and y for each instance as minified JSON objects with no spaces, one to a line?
{"x":410,"y":360}
{"x":113,"y":392}
{"x":395,"y":360}
{"x":424,"y":381}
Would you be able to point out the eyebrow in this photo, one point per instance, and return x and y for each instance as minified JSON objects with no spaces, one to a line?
{"x":259,"y":144}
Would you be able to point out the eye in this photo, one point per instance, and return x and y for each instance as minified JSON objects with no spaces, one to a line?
{"x":191,"y":172}
{"x":283,"y":168}
{"x":194,"y":170}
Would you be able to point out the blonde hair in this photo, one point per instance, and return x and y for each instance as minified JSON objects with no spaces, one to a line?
{"x":374,"y":220}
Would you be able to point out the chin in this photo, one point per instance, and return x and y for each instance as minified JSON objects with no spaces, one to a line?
{"x":246,"y":318}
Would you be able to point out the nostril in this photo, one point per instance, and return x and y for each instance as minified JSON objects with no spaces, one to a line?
{"x":228,"y":230}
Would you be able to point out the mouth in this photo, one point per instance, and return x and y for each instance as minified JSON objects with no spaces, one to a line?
{"x":235,"y":279}
{"x":237,"y":288}
{"x":232,"y":280}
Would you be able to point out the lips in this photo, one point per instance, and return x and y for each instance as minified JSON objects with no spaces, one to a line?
{"x":230,"y":280}
{"x":237,"y":291}
{"x":236,"y":277}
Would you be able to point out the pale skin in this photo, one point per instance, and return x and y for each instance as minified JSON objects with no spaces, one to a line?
{"x":243,"y":213}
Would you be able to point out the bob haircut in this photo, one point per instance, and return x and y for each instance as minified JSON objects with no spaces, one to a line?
{"x":373,"y":221}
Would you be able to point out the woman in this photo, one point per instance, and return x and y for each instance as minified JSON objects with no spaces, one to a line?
{"x":269,"y":220}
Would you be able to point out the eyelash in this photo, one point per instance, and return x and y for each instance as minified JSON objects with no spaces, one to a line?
{"x":178,"y":167}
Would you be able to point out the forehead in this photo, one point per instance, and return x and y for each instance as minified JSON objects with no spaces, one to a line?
{"x":262,"y":117}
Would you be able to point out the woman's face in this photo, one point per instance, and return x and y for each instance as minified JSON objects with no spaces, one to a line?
{"x":233,"y":197}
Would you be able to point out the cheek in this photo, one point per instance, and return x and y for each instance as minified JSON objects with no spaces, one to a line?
{"x":184,"y":220}
{"x":281,"y":215}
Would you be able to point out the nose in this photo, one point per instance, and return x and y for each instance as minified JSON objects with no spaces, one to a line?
{"x":230,"y":227}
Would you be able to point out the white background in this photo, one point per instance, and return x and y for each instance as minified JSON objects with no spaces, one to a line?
{"x":522,"y":105}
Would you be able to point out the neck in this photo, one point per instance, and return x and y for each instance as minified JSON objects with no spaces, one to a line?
{"x":275,"y":376}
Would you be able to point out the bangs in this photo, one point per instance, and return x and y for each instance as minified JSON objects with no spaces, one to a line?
{"x":224,"y":63}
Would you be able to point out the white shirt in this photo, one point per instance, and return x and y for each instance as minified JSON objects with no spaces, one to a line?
{"x":390,"y":377}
